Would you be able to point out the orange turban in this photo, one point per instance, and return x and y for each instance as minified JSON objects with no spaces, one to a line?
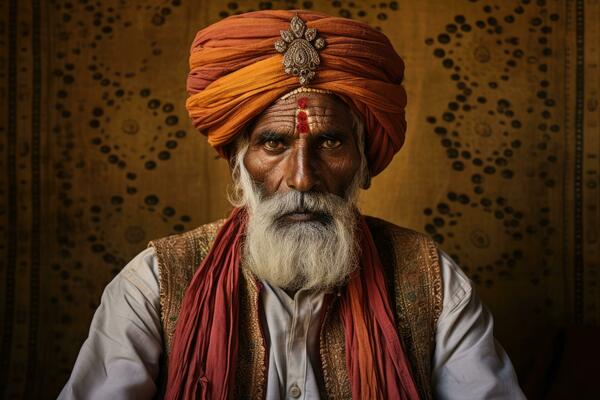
{"x":236,"y":73}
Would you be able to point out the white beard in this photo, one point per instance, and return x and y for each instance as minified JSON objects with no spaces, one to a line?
{"x":317,"y":254}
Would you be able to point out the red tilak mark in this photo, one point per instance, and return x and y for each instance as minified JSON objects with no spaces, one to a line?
{"x":302,"y":122}
{"x":302,"y":102}
{"x":302,"y":128}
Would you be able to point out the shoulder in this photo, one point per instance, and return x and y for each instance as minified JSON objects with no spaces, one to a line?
{"x":177,"y":256}
{"x":402,"y":242}
{"x":458,"y":288}
{"x":143,"y":272}
{"x":407,"y":252}
{"x":187,"y":248}
{"x":138,"y":278}
{"x":403,"y":246}
{"x":411,"y":264}
{"x":381,"y":229}
{"x":201,"y":234}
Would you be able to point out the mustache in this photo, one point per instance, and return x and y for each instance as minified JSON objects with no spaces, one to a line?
{"x":323,"y":205}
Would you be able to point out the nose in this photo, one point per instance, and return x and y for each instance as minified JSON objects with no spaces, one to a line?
{"x":300,"y":174}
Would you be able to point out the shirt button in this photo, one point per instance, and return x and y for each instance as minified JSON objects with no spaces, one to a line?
{"x":295,"y":391}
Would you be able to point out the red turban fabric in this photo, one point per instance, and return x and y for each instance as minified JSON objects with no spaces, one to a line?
{"x":236,"y":73}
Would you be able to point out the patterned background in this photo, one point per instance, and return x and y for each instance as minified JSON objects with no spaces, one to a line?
{"x":500,"y":165}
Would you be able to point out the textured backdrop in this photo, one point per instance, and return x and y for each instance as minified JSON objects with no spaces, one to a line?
{"x":98,"y":157}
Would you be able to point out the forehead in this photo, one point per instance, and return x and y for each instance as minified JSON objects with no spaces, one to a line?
{"x":322,"y":109}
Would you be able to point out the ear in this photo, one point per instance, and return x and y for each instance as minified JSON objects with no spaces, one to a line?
{"x":230,"y":161}
{"x":232,"y":148}
{"x":230,"y":152}
{"x":366,"y":183}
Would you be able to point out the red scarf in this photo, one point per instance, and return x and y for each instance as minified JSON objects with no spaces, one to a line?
{"x":203,"y":357}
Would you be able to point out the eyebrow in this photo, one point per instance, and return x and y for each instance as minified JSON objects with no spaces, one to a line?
{"x":267,"y":135}
{"x":337,"y":134}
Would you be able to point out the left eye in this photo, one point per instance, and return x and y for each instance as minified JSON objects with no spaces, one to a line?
{"x":330,"y":143}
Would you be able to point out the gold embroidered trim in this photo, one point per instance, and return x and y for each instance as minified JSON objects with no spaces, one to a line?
{"x":333,"y":354}
{"x":178,"y":258}
{"x":251,"y":375}
{"x":304,"y":89}
{"x":412,"y":258}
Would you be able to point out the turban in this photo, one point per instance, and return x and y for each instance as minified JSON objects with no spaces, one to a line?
{"x":236,"y":73}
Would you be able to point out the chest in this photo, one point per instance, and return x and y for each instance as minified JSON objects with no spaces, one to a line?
{"x":414,"y":287}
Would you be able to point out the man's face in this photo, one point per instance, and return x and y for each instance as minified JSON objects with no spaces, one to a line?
{"x":299,"y":176}
{"x":305,"y":143}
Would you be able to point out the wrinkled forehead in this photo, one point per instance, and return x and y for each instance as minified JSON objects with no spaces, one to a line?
{"x":322,"y":109}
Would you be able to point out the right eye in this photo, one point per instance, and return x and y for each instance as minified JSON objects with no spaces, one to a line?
{"x":273,"y":145}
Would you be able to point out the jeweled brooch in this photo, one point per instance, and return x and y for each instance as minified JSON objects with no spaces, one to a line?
{"x":299,"y":46}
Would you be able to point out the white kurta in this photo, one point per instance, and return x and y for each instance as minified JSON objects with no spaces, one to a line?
{"x":120,"y":357}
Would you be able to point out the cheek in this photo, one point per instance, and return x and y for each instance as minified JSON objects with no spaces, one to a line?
{"x":340,"y":171}
{"x":264,"y":171}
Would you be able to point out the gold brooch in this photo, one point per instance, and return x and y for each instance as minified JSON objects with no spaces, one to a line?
{"x":299,"y":46}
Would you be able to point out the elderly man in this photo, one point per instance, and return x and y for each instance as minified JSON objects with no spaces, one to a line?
{"x":295,"y":294}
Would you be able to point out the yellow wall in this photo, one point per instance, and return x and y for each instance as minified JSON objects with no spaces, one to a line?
{"x":100,"y":157}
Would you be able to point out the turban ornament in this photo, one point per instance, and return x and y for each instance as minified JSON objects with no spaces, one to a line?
{"x":300,"y":56}
{"x":236,"y":73}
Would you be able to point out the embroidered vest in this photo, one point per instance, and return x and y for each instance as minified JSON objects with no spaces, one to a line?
{"x":413,"y":279}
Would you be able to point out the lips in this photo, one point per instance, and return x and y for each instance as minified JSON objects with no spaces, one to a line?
{"x":301,"y":216}
{"x":306,"y":216}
